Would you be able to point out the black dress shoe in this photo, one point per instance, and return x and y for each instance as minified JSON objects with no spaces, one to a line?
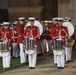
{"x":30,"y":67}
{"x":33,"y":67}
{"x":67,"y":61}
{"x":70,"y":61}
{"x":58,"y":67}
{"x":62,"y":67}
{"x":55,"y":63}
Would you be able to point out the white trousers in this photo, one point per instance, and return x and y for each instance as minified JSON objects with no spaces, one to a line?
{"x":43,"y":44}
{"x":39,"y":47}
{"x":32,"y":58}
{"x":6,"y":59}
{"x":68,"y":53}
{"x":60,"y":58}
{"x":22,"y":54}
{"x":49,"y":46}
{"x":15,"y":49}
{"x":55,"y":57}
{"x":0,"y":54}
{"x":0,"y":50}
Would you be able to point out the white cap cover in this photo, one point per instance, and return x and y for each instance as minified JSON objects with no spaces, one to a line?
{"x":31,"y":18}
{"x":15,"y":22}
{"x":6,"y":23}
{"x":21,"y":18}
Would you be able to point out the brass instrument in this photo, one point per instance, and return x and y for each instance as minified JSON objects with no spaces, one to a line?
{"x":70,"y":42}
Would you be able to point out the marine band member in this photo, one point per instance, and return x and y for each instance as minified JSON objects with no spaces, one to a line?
{"x":14,"y":40}
{"x":6,"y":36}
{"x":32,"y":31}
{"x":61,"y":34}
{"x":20,"y":31}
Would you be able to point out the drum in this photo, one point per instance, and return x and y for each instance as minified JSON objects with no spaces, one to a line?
{"x":29,"y":44}
{"x":4,"y":47}
{"x":58,"y":45}
{"x":70,"y":27}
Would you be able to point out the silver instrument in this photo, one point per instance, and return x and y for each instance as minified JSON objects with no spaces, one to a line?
{"x":4,"y":46}
{"x":29,"y":44}
{"x":58,"y":45}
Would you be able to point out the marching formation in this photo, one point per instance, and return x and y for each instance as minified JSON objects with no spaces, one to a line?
{"x":29,"y":38}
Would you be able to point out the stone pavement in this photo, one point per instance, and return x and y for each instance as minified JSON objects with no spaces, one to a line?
{"x":44,"y":66}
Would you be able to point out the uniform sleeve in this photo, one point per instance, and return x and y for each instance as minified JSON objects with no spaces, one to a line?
{"x":75,"y":34}
{"x":20,"y":30}
{"x":25,"y":31}
{"x":53,"y":30}
{"x":11,"y":33}
{"x":66,"y":29}
{"x":0,"y":32}
{"x":38,"y":32}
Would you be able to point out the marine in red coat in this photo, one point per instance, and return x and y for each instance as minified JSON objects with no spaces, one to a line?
{"x":15,"y":34}
{"x":20,"y":31}
{"x":61,"y":32}
{"x":52,"y":31}
{"x":53,"y":28}
{"x":32,"y":31}
{"x":6,"y":33}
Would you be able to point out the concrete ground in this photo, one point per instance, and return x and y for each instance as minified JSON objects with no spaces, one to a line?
{"x":45,"y":66}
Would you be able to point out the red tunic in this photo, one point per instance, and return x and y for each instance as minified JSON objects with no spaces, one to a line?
{"x":62,"y":31}
{"x":74,"y":34}
{"x":15,"y":36}
{"x":20,"y":31}
{"x":53,"y":32}
{"x":6,"y":34}
{"x":32,"y":31}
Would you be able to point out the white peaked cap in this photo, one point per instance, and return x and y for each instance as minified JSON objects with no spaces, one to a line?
{"x":69,"y":18}
{"x":46,"y":21}
{"x":21,"y":18}
{"x":15,"y":22}
{"x":60,"y":18}
{"x":50,"y":21}
{"x":6,"y":23}
{"x":66,"y":17}
{"x":55,"y":18}
{"x":31,"y":18}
